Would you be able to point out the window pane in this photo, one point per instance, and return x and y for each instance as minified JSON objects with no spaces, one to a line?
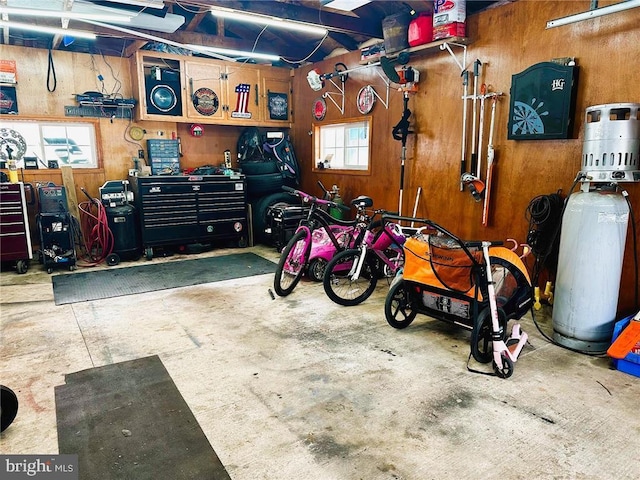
{"x":343,"y":146}
{"x":71,"y":144}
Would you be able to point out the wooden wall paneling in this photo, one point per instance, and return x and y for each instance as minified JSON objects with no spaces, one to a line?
{"x":508,"y":39}
{"x":209,"y":148}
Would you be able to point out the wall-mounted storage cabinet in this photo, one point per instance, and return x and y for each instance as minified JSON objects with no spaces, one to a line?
{"x":200,"y":90}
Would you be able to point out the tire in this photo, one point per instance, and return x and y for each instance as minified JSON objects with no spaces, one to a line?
{"x":293,"y":261}
{"x":398,"y":309}
{"x":260,"y":208}
{"x":259,"y":168}
{"x":8,"y":407}
{"x":316,"y":269}
{"x":22,"y":266}
{"x":258,"y":185}
{"x":507,"y":367}
{"x":481,"y":343}
{"x":337,"y":281}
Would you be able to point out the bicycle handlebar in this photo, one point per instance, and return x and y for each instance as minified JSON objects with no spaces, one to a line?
{"x":313,"y":199}
{"x":431,"y":223}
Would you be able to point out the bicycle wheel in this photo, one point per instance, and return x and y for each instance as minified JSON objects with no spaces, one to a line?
{"x":293,"y":260}
{"x":338,"y":281}
{"x":481,"y":335}
{"x":398,"y":309}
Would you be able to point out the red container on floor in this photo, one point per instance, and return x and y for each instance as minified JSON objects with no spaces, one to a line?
{"x":421,"y":29}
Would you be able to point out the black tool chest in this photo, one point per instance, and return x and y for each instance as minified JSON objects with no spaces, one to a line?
{"x":183,"y":210}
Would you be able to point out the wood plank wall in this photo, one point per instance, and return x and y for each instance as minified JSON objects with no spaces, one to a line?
{"x":507,"y":39}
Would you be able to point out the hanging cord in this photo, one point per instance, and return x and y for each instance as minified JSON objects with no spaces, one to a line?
{"x":543,"y":213}
{"x":96,"y":235}
{"x":625,"y":194}
{"x":51,"y":74}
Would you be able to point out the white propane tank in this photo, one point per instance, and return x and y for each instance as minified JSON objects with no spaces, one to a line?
{"x":592,"y":242}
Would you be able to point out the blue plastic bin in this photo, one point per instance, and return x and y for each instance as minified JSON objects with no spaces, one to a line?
{"x":631,"y":363}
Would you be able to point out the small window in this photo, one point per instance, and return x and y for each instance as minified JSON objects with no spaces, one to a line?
{"x":52,"y":143}
{"x":343,"y":146}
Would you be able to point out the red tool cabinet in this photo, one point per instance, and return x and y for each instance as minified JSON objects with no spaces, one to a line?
{"x":15,"y":242}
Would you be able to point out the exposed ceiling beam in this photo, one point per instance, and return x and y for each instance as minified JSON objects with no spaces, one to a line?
{"x":331,"y":21}
{"x":133,"y":47}
{"x":193,"y":24}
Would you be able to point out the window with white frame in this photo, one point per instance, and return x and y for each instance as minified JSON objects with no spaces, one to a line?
{"x":343,"y":146}
{"x":51,"y":143}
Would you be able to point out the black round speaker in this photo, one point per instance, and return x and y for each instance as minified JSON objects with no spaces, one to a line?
{"x":163,"y":97}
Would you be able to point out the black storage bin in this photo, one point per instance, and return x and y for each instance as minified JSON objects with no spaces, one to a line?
{"x":283,"y":222}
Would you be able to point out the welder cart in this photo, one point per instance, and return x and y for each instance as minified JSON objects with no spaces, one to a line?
{"x":55,"y":226}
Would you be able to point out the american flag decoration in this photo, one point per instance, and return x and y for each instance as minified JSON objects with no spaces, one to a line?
{"x":242,"y":102}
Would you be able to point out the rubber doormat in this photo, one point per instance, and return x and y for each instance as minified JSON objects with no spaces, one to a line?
{"x":129,"y":421}
{"x":116,"y":282}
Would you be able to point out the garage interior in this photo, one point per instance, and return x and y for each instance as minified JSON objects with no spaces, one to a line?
{"x":297,"y":386}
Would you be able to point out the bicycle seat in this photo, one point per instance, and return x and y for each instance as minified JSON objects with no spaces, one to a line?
{"x":362,"y":201}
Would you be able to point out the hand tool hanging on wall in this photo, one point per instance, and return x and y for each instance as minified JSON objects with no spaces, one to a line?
{"x":483,"y":96}
{"x":465,"y":94}
{"x":474,"y":155}
{"x":400,"y":132}
{"x":490,"y":157}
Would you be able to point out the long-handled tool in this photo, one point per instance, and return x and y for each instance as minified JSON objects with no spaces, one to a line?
{"x":400,"y":132}
{"x":627,"y":339}
{"x":483,"y":96}
{"x":490,"y":158}
{"x":474,"y":154}
{"x":465,"y":94}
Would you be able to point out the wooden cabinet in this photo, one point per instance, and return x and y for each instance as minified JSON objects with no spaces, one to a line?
{"x":276,"y":96}
{"x":200,"y":90}
{"x":242,"y":91}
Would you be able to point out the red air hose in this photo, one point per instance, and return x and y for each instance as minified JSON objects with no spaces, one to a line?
{"x":96,"y":235}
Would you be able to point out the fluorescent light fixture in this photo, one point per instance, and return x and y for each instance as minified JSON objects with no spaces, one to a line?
{"x":597,"y":12}
{"x":51,"y":30}
{"x":38,"y":12}
{"x":344,"y":5}
{"x":267,"y":20}
{"x":233,"y":53}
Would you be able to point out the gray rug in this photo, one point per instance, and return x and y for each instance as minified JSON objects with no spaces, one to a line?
{"x":116,"y":282}
{"x":129,"y":421}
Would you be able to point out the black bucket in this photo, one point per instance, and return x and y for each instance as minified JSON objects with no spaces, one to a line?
{"x":395,"y":30}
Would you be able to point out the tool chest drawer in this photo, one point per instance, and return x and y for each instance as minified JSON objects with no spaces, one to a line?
{"x":177,"y":210}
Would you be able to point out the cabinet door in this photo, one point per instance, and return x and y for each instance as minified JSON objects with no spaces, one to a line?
{"x":243,"y":95}
{"x":276,"y":97}
{"x":204,"y":91}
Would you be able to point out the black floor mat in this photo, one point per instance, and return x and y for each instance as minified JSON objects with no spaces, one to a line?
{"x":85,"y":286}
{"x":129,"y":421}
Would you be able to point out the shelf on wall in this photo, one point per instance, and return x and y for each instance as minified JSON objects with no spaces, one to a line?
{"x":428,"y":48}
{"x":98,"y":112}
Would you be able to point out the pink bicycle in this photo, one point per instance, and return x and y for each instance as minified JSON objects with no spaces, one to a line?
{"x":295,"y":257}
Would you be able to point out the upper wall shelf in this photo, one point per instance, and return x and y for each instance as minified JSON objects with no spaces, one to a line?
{"x":432,"y":47}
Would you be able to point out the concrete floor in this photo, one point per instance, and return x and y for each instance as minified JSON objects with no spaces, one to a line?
{"x":301,"y":388}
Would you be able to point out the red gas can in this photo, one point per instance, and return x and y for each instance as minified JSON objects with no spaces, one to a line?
{"x":421,"y":29}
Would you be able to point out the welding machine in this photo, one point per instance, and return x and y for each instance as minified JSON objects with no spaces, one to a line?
{"x":122,"y":219}
{"x":55,"y":226}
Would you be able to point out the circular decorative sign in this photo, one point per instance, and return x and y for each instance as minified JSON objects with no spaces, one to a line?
{"x":319,"y":108}
{"x":136,"y":133}
{"x":366,"y":99}
{"x":205,"y":101}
